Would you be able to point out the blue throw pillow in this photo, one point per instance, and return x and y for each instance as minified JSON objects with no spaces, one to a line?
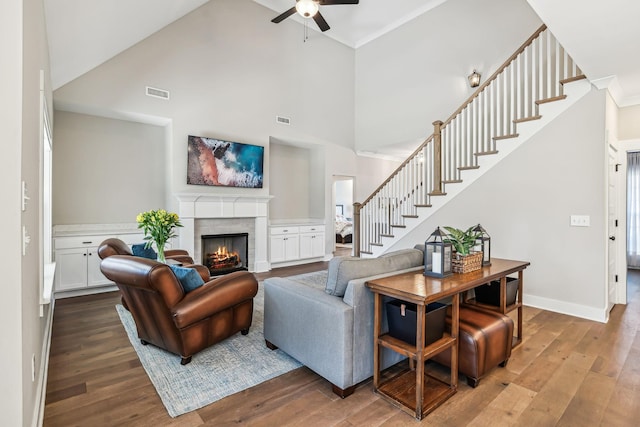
{"x":139,"y":250}
{"x":188,"y":277}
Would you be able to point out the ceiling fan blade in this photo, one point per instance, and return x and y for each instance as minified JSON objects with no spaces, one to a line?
{"x":321,"y":22}
{"x":330,"y":2}
{"x":284,"y":15}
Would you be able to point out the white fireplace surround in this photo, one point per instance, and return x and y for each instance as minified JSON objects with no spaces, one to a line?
{"x":194,"y":207}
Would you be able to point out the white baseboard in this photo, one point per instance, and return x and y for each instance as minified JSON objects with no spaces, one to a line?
{"x":85,"y":291}
{"x":41,"y":390}
{"x":577,"y":310}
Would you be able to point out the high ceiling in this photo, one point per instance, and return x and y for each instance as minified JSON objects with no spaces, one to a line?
{"x":601,"y":36}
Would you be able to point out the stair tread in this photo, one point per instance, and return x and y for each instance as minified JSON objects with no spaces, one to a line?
{"x":486,"y":153}
{"x":366,"y":252}
{"x":410,"y":216}
{"x":552,"y":99}
{"x":375,"y":244}
{"x":466,"y":168}
{"x":513,"y":135}
{"x":573,"y":79}
{"x":437,"y":194}
{"x":398,"y":226}
{"x":387,"y":235}
{"x":528,"y":119}
{"x":452,"y":181}
{"x":422,"y":206}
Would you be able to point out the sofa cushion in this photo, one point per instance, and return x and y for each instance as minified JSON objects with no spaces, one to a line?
{"x":139,"y":249}
{"x":343,"y":269}
{"x":188,"y":277}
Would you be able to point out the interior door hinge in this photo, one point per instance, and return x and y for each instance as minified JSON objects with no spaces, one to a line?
{"x":617,"y":167}
{"x":616,"y":222}
{"x":616,"y":278}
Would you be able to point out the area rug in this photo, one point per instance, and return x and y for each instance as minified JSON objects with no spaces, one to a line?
{"x":223,"y":369}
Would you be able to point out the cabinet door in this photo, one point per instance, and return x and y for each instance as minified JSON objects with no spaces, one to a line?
{"x":291,"y":248}
{"x":71,"y":268}
{"x":311,"y":245}
{"x":94,"y":275}
{"x":277,"y":248}
{"x":306,"y":245}
{"x":317,"y":245}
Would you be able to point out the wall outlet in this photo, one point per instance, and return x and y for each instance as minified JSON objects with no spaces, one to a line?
{"x":580,"y":220}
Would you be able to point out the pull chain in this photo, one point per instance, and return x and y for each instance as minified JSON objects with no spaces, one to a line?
{"x":306,"y":30}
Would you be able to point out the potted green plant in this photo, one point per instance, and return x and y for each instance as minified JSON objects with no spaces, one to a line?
{"x":158,"y":226}
{"x":463,"y":241}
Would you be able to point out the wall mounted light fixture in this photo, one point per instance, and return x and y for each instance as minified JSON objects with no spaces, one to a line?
{"x":474,"y":79}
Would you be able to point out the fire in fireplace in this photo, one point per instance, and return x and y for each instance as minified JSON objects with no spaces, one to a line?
{"x":224,"y":253}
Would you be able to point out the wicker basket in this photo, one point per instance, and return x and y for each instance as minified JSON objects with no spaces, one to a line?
{"x":466,"y":263}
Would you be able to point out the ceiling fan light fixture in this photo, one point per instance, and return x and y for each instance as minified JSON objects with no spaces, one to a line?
{"x":307,"y":8}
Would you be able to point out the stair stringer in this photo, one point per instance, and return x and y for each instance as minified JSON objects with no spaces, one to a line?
{"x":526,"y":130}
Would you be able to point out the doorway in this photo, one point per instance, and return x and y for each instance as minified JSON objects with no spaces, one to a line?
{"x":343,"y":196}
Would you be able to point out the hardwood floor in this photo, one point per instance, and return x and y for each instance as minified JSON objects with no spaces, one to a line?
{"x":567,"y":372}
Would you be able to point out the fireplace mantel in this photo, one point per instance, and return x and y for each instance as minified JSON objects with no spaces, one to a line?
{"x":212,"y":206}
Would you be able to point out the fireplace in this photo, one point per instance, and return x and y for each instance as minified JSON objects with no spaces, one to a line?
{"x":224,"y":253}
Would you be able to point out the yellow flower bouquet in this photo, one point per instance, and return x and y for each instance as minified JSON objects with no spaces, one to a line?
{"x":158,"y":226}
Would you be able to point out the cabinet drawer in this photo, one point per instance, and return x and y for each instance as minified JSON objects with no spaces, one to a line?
{"x":77,"y":241}
{"x":312,"y":229}
{"x":284,"y":230}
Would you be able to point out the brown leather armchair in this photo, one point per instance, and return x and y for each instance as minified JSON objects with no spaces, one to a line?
{"x":181,"y":323}
{"x":118,"y":247}
{"x":114,"y":246}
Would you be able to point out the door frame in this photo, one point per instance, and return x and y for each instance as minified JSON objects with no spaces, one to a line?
{"x":336,"y":178}
{"x":625,"y":147}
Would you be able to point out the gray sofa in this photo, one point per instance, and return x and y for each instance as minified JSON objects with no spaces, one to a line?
{"x":330,"y":328}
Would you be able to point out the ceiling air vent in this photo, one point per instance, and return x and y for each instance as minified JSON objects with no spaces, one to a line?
{"x":157,"y":93}
{"x":283,"y":120}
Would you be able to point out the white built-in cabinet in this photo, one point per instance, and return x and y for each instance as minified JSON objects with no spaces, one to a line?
{"x":295,"y":244}
{"x":78,"y":263}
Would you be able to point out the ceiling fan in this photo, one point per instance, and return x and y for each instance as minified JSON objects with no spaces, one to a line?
{"x":310,"y":9}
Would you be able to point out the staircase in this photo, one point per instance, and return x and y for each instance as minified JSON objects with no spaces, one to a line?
{"x":535,"y":85}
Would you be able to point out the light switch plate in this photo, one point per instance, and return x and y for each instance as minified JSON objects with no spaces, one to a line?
{"x":580,"y":220}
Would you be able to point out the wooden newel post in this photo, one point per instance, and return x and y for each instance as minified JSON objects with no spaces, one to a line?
{"x":437,"y":158}
{"x":356,"y":228}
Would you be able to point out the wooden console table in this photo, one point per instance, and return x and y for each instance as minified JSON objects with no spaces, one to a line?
{"x":418,"y":393}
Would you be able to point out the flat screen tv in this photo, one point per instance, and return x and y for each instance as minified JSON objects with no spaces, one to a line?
{"x":230,"y":164}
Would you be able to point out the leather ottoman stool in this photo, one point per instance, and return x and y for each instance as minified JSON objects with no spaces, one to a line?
{"x":484,"y":341}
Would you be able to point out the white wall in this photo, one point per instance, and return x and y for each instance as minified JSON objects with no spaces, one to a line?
{"x":344,"y":196}
{"x":525,"y":202}
{"x":629,"y":122}
{"x":23,"y":54}
{"x":10,"y":124}
{"x":289,"y":182}
{"x":230,"y":72}
{"x":106,"y":171}
{"x":417,"y":74}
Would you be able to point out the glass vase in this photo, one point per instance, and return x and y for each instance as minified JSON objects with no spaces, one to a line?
{"x":161,"y":257}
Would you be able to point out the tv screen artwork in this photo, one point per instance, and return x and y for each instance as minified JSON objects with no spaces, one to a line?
{"x":231,"y":164}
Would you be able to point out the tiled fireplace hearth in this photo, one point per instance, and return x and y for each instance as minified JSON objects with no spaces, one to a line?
{"x":203,"y":215}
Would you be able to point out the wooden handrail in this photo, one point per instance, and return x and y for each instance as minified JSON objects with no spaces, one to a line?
{"x":496,"y":74}
{"x":509,"y":96}
{"x":398,"y":169}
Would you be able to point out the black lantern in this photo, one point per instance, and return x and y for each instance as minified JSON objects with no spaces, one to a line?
{"x":437,"y":255}
{"x":483,"y":243}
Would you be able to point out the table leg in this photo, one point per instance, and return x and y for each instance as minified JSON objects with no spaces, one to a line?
{"x":377,"y":327}
{"x":520,"y":287}
{"x":455,"y":329}
{"x":420,"y":329}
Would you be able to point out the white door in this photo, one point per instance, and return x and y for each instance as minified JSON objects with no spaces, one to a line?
{"x":612,"y":229}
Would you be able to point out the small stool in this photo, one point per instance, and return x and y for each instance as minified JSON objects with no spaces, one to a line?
{"x":484,"y":341}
